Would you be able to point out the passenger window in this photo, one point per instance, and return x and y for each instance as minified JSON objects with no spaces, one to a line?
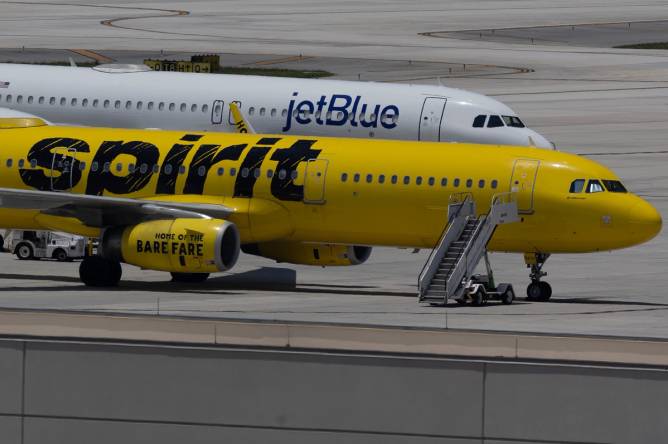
{"x":444,"y":181}
{"x":128,"y":104}
{"x":82,"y":166}
{"x":407,"y":180}
{"x":479,"y":121}
{"x":282,"y":174}
{"x":172,"y":106}
{"x":183,"y":107}
{"x":356,"y":178}
{"x":41,"y":100}
{"x":205,"y":108}
{"x":481,"y":183}
{"x":418,"y":180}
{"x":577,"y":185}
{"x":9,"y":163}
{"x":256,"y":173}
{"x":251,"y":111}
{"x":93,"y":167}
{"x":369,"y":178}
{"x":29,"y":100}
{"x":117,"y":104}
{"x":594,"y":186}
{"x":168,"y":168}
{"x":431,"y":181}
{"x":513,"y":121}
{"x":394,"y":179}
{"x":221,"y":171}
{"x":33,"y":163}
{"x":140,"y":105}
{"x":84,"y":103}
{"x":19,"y":99}
{"x":73,"y":102}
{"x":614,"y":186}
{"x":52,"y":101}
{"x":381,"y":178}
{"x":273,"y":112}
{"x":270,"y":174}
{"x":495,"y":183}
{"x":193,"y":108}
{"x":156,"y":168}
{"x":294,"y":175}
{"x":131,"y":168}
{"x":95,"y":103}
{"x":105,"y":167}
{"x":201,"y":171}
{"x":455,"y":183}
{"x":244,"y":172}
{"x":262,"y":110}
{"x":344,"y":177}
{"x":161,"y":106}
{"x":119,"y":167}
{"x":469,"y":183}
{"x":182,"y":169}
{"x":107,"y":103}
{"x":22,"y":162}
{"x":284,"y":112}
{"x":143,"y":169}
{"x":494,"y":122}
{"x":63,"y":101}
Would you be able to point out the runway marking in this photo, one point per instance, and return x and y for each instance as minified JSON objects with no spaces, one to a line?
{"x":92,"y":55}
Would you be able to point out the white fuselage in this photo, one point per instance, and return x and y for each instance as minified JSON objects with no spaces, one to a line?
{"x":128,"y":97}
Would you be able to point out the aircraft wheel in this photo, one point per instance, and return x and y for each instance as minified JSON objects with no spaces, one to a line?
{"x":60,"y":255}
{"x":2,"y":243}
{"x":24,"y":251}
{"x":533,"y":291}
{"x":189,"y":277}
{"x":461,"y":301}
{"x":545,"y":291}
{"x":508,"y":297}
{"x":95,"y":271}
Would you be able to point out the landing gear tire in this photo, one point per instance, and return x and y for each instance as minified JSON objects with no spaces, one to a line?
{"x":24,"y":251}
{"x":189,"y":277}
{"x":95,"y":271}
{"x":60,"y":255}
{"x":539,"y":291}
{"x":508,"y":297}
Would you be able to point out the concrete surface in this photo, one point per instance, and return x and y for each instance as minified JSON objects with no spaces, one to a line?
{"x":609,"y":104}
{"x":79,"y":392}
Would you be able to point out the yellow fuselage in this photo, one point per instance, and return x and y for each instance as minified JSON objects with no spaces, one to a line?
{"x":326,"y":190}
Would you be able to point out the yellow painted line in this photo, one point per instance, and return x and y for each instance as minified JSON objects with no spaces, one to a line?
{"x":92,"y":55}
{"x":298,"y":58}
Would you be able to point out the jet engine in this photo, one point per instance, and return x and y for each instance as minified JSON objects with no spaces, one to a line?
{"x":177,"y":245}
{"x":310,"y":254}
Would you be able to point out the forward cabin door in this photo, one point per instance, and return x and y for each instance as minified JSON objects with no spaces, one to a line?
{"x":217,"y":111}
{"x":62,"y":168}
{"x":431,"y":117}
{"x":314,"y":182}
{"x":523,"y":183}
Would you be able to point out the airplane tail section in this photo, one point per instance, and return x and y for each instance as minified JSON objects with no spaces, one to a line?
{"x":240,"y":122}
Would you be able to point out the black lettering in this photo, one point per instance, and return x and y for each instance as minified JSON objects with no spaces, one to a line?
{"x":282,"y":186}
{"x":139,"y":248}
{"x":191,"y":249}
{"x":182,"y":249}
{"x":244,"y":183}
{"x":175,"y":158}
{"x":205,"y":157}
{"x":58,"y":155}
{"x":144,"y":153}
{"x":200,"y":249}
{"x":175,"y":247}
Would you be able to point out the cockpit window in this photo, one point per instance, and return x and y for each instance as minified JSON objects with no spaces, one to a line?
{"x":513,"y":121}
{"x":479,"y":121}
{"x":577,"y":185}
{"x":494,"y":122}
{"x":594,"y":186}
{"x":614,"y":186}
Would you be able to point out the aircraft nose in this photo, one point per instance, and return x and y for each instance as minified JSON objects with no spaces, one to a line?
{"x":539,"y":141}
{"x":645,"y":220}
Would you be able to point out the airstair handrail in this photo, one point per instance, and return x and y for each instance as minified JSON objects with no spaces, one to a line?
{"x":453,"y":228}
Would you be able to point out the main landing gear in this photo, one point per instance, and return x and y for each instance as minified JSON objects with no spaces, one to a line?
{"x":537,"y":290}
{"x":96,"y":271}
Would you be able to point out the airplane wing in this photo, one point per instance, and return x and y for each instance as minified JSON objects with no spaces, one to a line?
{"x":100,"y":211}
{"x":240,"y":122}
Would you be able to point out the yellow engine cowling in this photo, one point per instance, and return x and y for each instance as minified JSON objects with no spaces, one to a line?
{"x":310,"y":254}
{"x":177,"y":245}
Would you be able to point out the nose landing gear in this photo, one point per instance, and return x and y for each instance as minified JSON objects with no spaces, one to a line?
{"x":537,"y":290}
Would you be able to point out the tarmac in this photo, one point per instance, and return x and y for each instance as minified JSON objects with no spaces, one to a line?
{"x":609,"y":104}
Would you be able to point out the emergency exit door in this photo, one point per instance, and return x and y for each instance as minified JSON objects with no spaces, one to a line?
{"x":314,"y":182}
{"x":431,"y":119}
{"x":523,"y":182}
{"x":217,"y":111}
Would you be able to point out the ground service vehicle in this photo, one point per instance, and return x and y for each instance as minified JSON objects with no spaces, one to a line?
{"x":31,"y":244}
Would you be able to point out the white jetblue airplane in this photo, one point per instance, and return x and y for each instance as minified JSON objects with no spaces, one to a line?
{"x":133,"y":96}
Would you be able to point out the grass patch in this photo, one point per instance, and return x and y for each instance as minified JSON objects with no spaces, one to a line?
{"x":56,"y":63}
{"x":274,"y":72}
{"x":652,"y":45}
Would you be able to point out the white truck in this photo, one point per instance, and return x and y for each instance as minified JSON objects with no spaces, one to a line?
{"x":30,"y":244}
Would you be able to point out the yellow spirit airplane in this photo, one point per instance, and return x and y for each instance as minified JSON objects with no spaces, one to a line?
{"x":187,"y":202}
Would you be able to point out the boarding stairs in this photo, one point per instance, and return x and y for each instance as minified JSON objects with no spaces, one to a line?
{"x":462,"y":245}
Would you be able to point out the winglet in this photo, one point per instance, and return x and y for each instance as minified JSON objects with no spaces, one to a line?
{"x":242,"y":125}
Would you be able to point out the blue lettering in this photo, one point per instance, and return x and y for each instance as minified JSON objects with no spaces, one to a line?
{"x":288,"y":118}
{"x":373,"y":123}
{"x":335,"y":119}
{"x":304,"y":110}
{"x":389,"y":116}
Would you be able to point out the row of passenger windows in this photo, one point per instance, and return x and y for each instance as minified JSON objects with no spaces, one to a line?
{"x":497,"y":121}
{"x":595,"y":186}
{"x":418,"y":180}
{"x":106,"y":103}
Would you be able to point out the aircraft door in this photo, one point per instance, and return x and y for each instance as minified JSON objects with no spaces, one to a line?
{"x":523,"y":182}
{"x":62,"y":165}
{"x":217,"y":111}
{"x":433,"y":109}
{"x":314,"y":181}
